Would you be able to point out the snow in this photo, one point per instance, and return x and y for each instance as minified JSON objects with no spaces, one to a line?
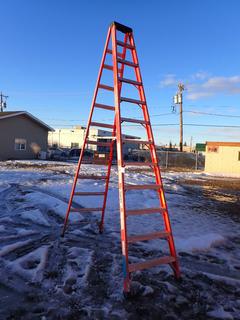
{"x":33,"y":203}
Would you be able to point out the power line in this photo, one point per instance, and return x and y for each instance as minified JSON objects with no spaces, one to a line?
{"x":212,"y":114}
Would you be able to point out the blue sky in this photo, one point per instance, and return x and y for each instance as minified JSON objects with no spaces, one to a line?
{"x":51,"y":51}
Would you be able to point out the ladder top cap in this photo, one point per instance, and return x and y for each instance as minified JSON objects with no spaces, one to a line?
{"x":121,"y":27}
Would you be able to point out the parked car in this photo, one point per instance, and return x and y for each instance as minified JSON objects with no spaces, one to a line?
{"x":56,"y":154}
{"x":74,"y":154}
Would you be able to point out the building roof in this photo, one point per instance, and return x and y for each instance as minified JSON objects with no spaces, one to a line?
{"x":223,"y":144}
{"x":10,"y":114}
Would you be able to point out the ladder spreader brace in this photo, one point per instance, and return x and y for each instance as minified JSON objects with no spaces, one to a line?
{"x":119,"y":61}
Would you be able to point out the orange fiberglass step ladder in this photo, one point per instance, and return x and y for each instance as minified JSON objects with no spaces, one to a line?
{"x":119,"y":50}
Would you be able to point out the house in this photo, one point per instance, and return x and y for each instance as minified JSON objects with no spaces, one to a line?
{"x":223,"y":158}
{"x":73,"y":138}
{"x":22,"y":136}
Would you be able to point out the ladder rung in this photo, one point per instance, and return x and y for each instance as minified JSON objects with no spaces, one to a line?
{"x":104,"y":86}
{"x":119,"y":54}
{"x":99,"y":143}
{"x":104,"y":106}
{"x":143,"y":164}
{"x":103,"y":125}
{"x":108,"y":67}
{"x":123,"y":44}
{"x":144,"y":211}
{"x":151,"y":263}
{"x":128,"y":63}
{"x":132,"y":100}
{"x":136,"y":83}
{"x":149,"y":236}
{"x":85,"y":209}
{"x":142,"y":186}
{"x":136,"y":141}
{"x":92,"y":177}
{"x":134,"y":120}
{"x":89,"y":193}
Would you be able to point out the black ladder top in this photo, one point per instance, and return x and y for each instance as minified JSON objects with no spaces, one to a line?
{"x":121,"y":27}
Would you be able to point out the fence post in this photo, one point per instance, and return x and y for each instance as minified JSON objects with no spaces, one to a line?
{"x":166,"y":165}
{"x":196,"y":162}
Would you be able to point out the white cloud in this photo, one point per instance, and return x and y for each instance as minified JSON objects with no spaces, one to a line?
{"x":213,"y":86}
{"x":168,"y":80}
{"x":202,"y":85}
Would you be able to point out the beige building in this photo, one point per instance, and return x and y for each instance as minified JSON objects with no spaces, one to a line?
{"x":223,"y":158}
{"x":73,"y":138}
{"x":22,"y":136}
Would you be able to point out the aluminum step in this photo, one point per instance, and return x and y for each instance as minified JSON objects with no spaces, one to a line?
{"x":149,"y":236}
{"x":119,"y":54}
{"x":99,"y":143}
{"x":92,"y":177}
{"x":103,"y":125}
{"x":134,"y":120}
{"x":123,"y":99}
{"x":89,"y":194}
{"x":85,"y":209}
{"x":104,"y":86}
{"x":137,"y":212}
{"x":135,"y":83}
{"x":136,"y":141}
{"x":127,"y":63}
{"x":104,"y":106}
{"x":142,"y":187}
{"x":151,"y":263}
{"x":140,"y":164}
{"x":126,"y":45}
{"x":108,"y":67}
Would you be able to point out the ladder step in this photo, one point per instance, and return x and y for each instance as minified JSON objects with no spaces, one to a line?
{"x":136,"y":141}
{"x":144,"y":211}
{"x":103,"y":125}
{"x":140,"y":164}
{"x":136,"y":83}
{"x":123,"y":99}
{"x":134,"y":120}
{"x":123,"y":44}
{"x":89,"y":193}
{"x":85,"y":209}
{"x":119,"y":54}
{"x":108,"y":67}
{"x":92,"y":177}
{"x":151,"y":263}
{"x":99,"y":143}
{"x":104,"y":86}
{"x":149,"y":236}
{"x":128,"y":63}
{"x":104,"y":106}
{"x":142,"y":187}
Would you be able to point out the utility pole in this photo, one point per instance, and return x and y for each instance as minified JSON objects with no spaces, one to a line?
{"x":3,"y":103}
{"x":178,"y":99}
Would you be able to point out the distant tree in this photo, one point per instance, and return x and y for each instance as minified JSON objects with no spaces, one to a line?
{"x":170,"y":145}
{"x":185,"y":144}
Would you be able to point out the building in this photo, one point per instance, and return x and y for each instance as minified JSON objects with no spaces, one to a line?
{"x":223,"y":158}
{"x":22,"y":136}
{"x":73,"y":138}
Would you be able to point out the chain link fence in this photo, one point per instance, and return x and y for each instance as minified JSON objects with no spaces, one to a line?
{"x":174,"y":159}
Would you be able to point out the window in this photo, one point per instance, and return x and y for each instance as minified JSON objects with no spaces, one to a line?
{"x":20,"y":144}
{"x":74,"y":145}
{"x":238,"y":155}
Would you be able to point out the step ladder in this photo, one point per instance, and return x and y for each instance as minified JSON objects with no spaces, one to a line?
{"x":119,"y":51}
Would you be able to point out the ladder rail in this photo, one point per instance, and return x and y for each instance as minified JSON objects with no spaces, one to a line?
{"x":112,"y":147}
{"x":154,"y":157}
{"x":122,"y":204}
{"x":87,"y":132}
